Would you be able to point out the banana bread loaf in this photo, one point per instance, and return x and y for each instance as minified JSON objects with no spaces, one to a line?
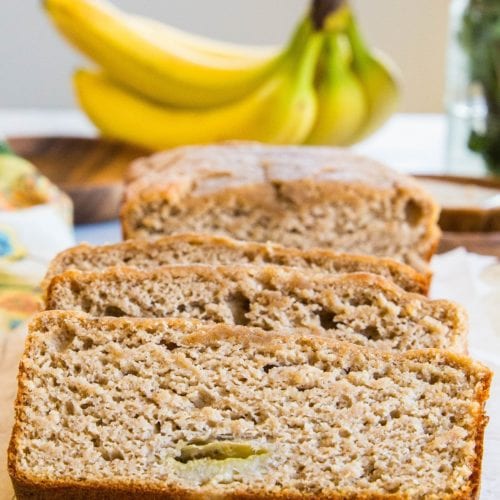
{"x":217,"y":250}
{"x":149,"y":409}
{"x":361,"y":308}
{"x":302,"y":197}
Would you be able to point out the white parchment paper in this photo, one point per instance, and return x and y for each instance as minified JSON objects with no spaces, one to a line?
{"x":474,"y":281}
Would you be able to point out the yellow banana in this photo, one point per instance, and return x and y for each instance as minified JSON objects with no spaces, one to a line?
{"x":169,"y":73}
{"x":214,"y":51}
{"x":378,"y":76}
{"x":342,"y":106}
{"x":282,"y":110}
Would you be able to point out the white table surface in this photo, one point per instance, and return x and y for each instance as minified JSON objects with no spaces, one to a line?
{"x":408,"y":142}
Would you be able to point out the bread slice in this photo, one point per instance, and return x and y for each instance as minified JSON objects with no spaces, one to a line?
{"x":152,"y":409}
{"x":361,"y":308}
{"x":216,"y":250}
{"x":300,"y":196}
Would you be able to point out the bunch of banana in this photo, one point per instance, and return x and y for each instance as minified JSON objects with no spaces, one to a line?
{"x":159,"y":87}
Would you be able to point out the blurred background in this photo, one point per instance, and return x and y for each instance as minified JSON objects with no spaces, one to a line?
{"x":35,"y":64}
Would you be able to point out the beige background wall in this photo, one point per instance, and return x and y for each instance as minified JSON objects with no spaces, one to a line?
{"x":35,"y":64}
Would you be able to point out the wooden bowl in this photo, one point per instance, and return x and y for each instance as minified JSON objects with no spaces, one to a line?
{"x":89,"y":170}
{"x":467,"y":219}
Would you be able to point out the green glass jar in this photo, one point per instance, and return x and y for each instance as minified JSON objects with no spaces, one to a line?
{"x":473,"y":87}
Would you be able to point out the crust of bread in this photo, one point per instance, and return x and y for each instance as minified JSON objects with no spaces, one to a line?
{"x":41,"y":488}
{"x":415,"y":281}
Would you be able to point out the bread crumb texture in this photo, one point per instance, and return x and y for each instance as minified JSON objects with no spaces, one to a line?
{"x":364,"y":309}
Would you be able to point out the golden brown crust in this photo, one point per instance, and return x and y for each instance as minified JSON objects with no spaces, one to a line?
{"x":403,"y":275}
{"x":118,"y":491}
{"x":27,"y":486}
{"x":435,"y":238}
{"x":210,"y":168}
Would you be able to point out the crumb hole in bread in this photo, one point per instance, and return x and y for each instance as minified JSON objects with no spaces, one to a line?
{"x":202,"y":399}
{"x":87,"y":343}
{"x":62,"y":342}
{"x":239,"y":306}
{"x":327,"y":320}
{"x":70,"y":407}
{"x":343,"y":402}
{"x":157,"y":428}
{"x":359,"y":301}
{"x":413,"y":212}
{"x":130,"y":370}
{"x":114,"y":311}
{"x":75,"y":287}
{"x":279,"y":193}
{"x":263,"y":221}
{"x":86,"y":304}
{"x":371,"y":333}
{"x":395,"y":414}
{"x":169,"y":345}
{"x":239,"y":212}
{"x":378,"y":375}
{"x":114,"y":454}
{"x":269,"y":367}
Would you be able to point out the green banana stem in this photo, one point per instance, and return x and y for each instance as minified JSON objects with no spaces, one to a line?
{"x":334,"y":54}
{"x":359,"y":48}
{"x":304,"y":52}
{"x":321,"y":10}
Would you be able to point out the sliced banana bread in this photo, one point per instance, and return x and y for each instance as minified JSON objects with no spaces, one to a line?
{"x":361,"y":308}
{"x":217,"y":250}
{"x":152,"y":409}
{"x":299,"y":196}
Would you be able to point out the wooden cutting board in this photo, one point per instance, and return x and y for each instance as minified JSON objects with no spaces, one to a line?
{"x":11,"y":348}
{"x":90,"y":170}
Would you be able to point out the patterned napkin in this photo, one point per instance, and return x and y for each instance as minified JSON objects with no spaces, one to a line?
{"x":35,"y":224}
